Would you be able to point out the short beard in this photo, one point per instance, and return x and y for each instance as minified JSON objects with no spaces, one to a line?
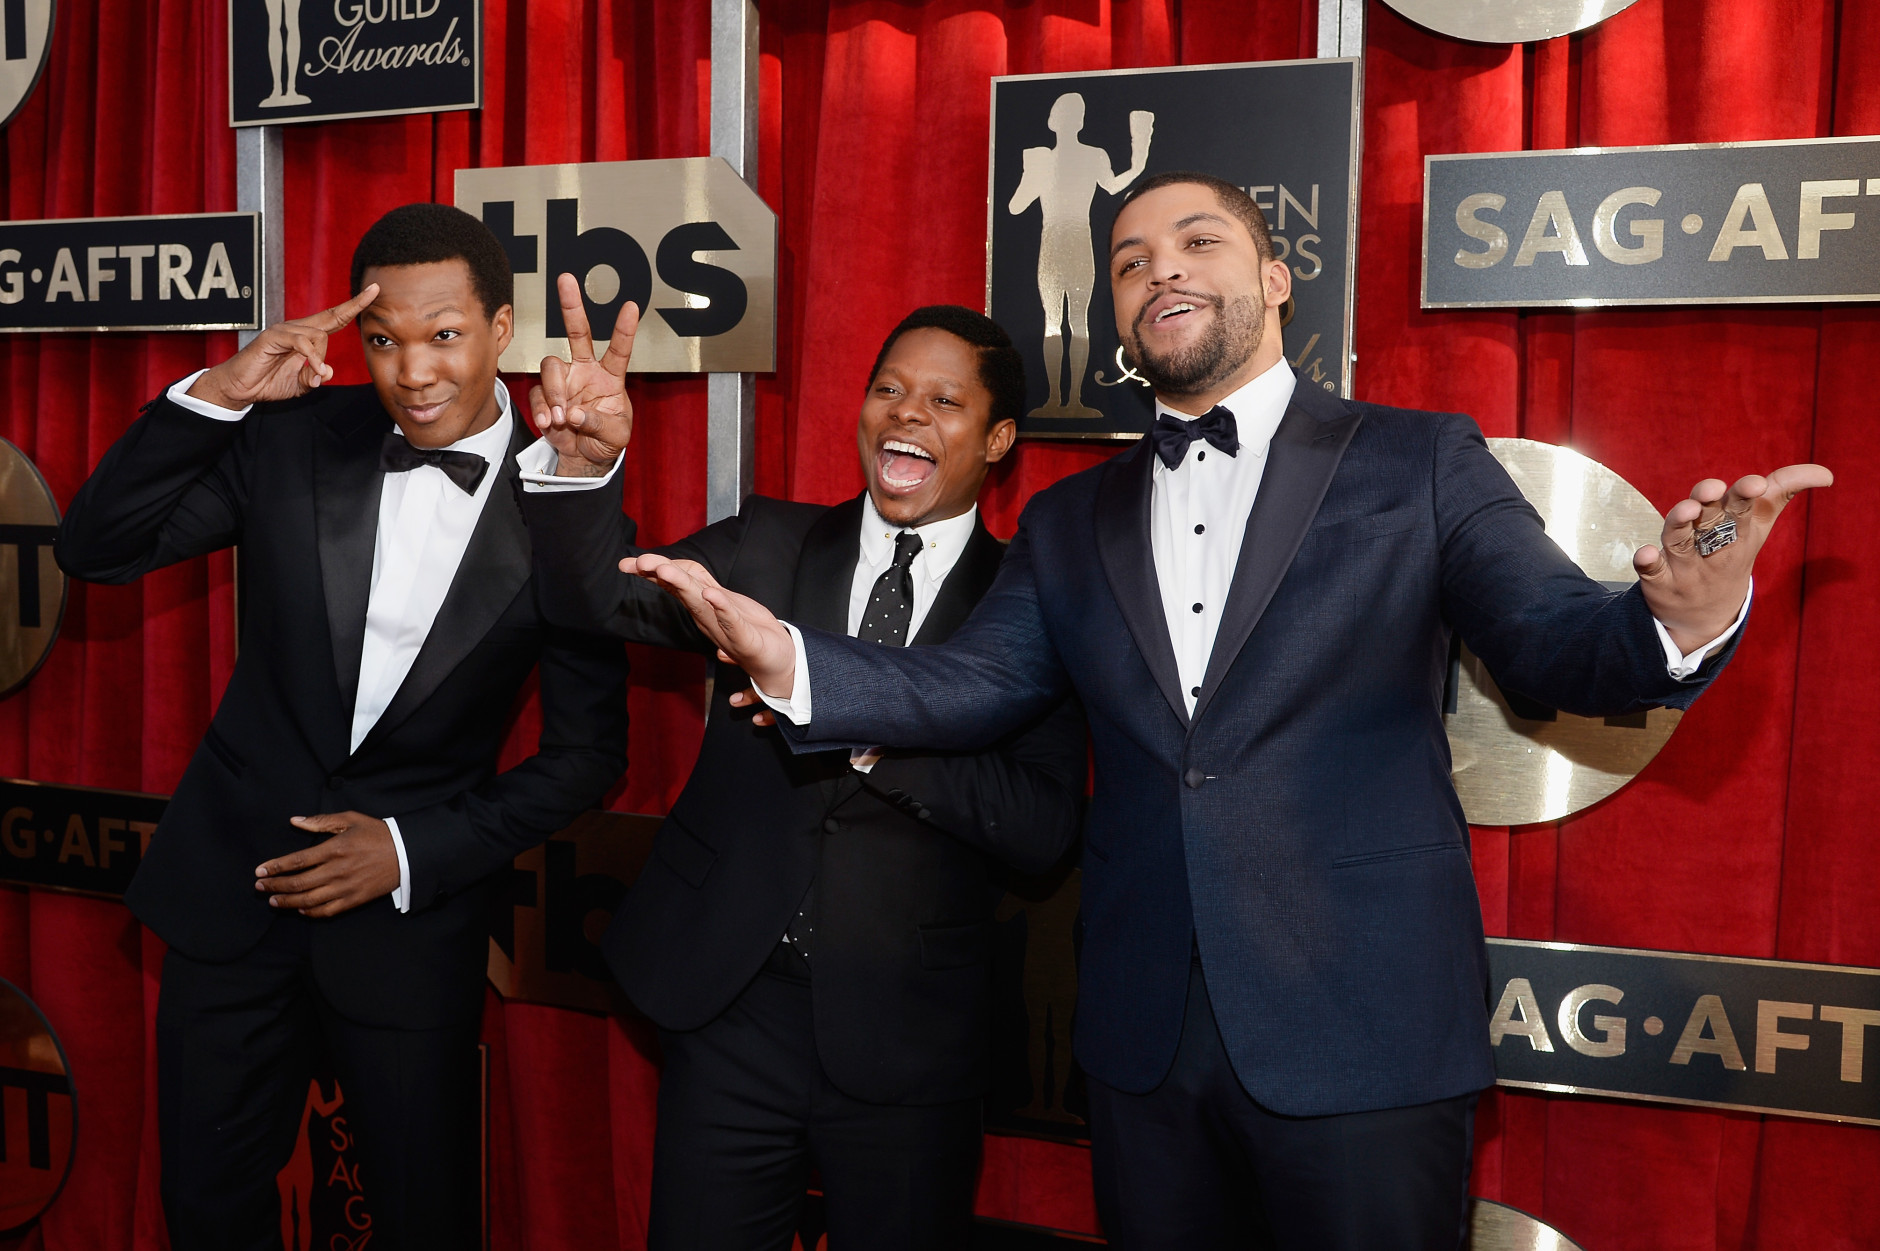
{"x":1228,"y":344}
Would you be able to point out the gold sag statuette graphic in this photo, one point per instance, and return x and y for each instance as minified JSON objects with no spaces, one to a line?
{"x":25,"y":38}
{"x":1516,"y":762}
{"x":1063,"y":181}
{"x":1508,"y":21}
{"x":37,"y":1130}
{"x":32,"y":587}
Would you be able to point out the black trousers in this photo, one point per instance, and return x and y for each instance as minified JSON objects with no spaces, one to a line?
{"x":1198,"y":1164}
{"x":746,"y":1111}
{"x":237,"y":1045}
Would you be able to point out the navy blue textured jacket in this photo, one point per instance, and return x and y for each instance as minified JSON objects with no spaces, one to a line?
{"x":1300,"y":830}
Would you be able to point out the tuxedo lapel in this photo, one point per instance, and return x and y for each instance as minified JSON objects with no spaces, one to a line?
{"x":965,"y":583}
{"x":346,"y":485}
{"x":494,"y":568}
{"x":1129,"y":563}
{"x":826,"y":569}
{"x":1301,"y":460}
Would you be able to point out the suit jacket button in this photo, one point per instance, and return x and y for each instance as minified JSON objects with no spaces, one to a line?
{"x":1194,"y":778}
{"x":832,"y":826}
{"x":924,"y":813}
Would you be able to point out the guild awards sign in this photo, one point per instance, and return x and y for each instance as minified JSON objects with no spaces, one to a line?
{"x":1516,"y":762}
{"x":321,"y":60}
{"x":1066,"y":148}
{"x":1788,"y":222}
{"x":190,"y":271}
{"x":687,"y":240}
{"x":38,"y":1134}
{"x":25,"y":39}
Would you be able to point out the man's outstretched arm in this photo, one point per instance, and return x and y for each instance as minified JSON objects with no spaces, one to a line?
{"x":997,"y":672}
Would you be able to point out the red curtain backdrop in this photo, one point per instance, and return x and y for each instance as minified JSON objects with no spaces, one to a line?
{"x":1750,"y":834}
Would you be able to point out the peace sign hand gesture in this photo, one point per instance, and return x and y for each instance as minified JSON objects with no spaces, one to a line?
{"x":283,"y":361}
{"x":581,"y":405}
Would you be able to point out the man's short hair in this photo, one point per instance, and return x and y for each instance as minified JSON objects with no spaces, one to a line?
{"x":1001,"y":369}
{"x":1232,"y":198}
{"x":424,"y":234}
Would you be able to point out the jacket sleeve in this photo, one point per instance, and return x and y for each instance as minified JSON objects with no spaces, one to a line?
{"x":1543,"y":627}
{"x":1021,"y":802}
{"x":581,"y":752}
{"x":996,"y":674}
{"x":579,"y":539}
{"x":174,"y":486}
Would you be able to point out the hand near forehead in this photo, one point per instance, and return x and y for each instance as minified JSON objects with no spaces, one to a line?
{"x":1694,"y":596}
{"x":581,"y":405}
{"x":285,"y":360}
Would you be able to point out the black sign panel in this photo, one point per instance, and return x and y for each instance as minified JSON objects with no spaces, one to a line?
{"x":312,"y":61}
{"x":193,"y":271}
{"x":1717,"y":1031}
{"x":1795,"y":221}
{"x":75,"y":838}
{"x":1065,"y":150}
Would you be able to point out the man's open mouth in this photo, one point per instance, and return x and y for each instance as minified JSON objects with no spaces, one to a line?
{"x":904,"y":467}
{"x":1173,"y":310}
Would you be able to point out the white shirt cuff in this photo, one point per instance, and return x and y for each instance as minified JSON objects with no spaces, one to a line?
{"x":796,"y":707}
{"x":179,"y":395}
{"x":1683,"y":664}
{"x":538,"y":461}
{"x":401,"y":898}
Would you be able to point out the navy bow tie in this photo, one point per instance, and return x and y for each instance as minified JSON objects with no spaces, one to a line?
{"x":1172,"y":435}
{"x":466,"y":469}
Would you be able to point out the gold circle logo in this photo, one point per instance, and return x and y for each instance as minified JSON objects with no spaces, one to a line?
{"x":1515,"y":762}
{"x":1508,"y":21}
{"x":32,"y":586}
{"x":38,"y":1146}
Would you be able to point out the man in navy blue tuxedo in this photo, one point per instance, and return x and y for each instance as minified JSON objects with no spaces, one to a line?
{"x":1282,"y":979}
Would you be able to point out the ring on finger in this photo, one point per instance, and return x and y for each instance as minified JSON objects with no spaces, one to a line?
{"x":1715,"y":538}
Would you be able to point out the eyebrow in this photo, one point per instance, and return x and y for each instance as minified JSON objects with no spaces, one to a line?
{"x":1135,"y":241}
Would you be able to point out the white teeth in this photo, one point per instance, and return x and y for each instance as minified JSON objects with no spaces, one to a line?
{"x":895,"y":445}
{"x":1172,"y":309}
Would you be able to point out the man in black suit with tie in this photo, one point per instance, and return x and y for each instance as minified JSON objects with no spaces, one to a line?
{"x":1282,"y":979}
{"x":389,"y":620}
{"x":813,"y":933}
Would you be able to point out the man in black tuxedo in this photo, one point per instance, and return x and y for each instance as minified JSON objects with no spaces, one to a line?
{"x":1282,"y":978}
{"x":813,"y":933}
{"x":389,"y":621}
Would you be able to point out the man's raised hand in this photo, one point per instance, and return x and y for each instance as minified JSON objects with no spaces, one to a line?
{"x":746,"y":633}
{"x":1694,"y":596}
{"x":581,"y":405}
{"x":285,"y":360}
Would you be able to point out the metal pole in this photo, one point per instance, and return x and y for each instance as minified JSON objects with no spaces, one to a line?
{"x":731,"y":399}
{"x":259,"y":172}
{"x":1341,"y":27}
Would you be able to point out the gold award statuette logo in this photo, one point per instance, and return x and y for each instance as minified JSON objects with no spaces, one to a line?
{"x":1508,"y":21}
{"x":38,"y":1130}
{"x":1516,"y":762}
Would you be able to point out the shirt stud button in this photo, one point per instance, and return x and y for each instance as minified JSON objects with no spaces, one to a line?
{"x":1195,"y":691}
{"x":1197,"y":608}
{"x":1201,"y":529}
{"x":1201,"y":455}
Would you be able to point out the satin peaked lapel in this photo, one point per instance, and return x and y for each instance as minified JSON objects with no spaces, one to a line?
{"x":346,"y":479}
{"x":495,"y":566}
{"x":968,"y":580}
{"x":826,"y":569}
{"x":1301,"y":460}
{"x":1129,"y":563}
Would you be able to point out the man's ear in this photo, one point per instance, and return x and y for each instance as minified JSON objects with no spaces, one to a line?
{"x":1277,"y":279}
{"x":504,"y":326}
{"x":999,"y":440}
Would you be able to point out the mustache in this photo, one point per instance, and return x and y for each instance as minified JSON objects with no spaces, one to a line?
{"x":1218,"y":303}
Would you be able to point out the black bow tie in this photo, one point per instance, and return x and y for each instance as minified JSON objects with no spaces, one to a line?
{"x":1172,"y":435}
{"x":466,"y":469}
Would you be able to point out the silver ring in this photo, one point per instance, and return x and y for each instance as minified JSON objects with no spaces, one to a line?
{"x":1718,"y":537}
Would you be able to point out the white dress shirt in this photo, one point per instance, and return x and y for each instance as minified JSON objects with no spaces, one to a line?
{"x":425,"y":523}
{"x":1197,"y":518}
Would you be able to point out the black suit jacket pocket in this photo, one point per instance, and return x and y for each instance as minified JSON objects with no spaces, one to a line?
{"x":685,"y":853}
{"x":954,"y":946}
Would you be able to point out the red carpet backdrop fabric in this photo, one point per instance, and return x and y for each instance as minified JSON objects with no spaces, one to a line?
{"x":1749,"y":835}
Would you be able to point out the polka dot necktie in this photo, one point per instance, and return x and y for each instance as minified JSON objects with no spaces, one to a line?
{"x":889,"y":612}
{"x":891,"y":604}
